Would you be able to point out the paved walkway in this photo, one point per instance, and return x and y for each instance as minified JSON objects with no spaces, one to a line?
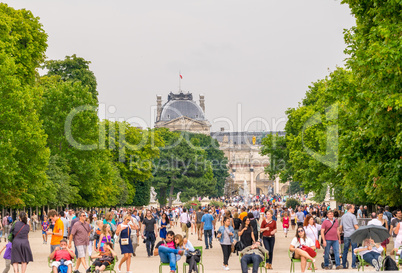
{"x":212,"y":258}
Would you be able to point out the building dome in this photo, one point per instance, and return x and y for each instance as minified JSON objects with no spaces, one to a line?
{"x":177,"y":108}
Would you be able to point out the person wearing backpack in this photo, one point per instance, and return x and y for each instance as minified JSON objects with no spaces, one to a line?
{"x":6,"y":226}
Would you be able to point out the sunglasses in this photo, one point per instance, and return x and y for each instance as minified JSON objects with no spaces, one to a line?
{"x":300,"y":230}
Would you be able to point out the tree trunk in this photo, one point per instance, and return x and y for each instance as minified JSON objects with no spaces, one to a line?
{"x":171,"y":193}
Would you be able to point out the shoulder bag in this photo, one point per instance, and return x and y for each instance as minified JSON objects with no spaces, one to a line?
{"x":188,"y":224}
{"x":11,"y":235}
{"x":325,"y":233}
{"x":317,"y":243}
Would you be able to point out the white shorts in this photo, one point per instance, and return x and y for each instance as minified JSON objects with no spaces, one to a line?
{"x":57,"y":264}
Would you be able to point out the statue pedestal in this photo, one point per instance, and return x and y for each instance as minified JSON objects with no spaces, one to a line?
{"x":154,"y":204}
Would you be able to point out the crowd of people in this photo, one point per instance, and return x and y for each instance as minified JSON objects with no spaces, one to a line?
{"x":249,"y":230}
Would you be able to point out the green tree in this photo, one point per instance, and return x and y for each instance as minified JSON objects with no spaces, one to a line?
{"x":23,"y":152}
{"x":73,"y":69}
{"x":217,"y":158}
{"x":24,"y":40}
{"x":182,"y":167}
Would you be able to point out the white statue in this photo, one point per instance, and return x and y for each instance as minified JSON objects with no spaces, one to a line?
{"x":177,"y":198}
{"x":153,"y":195}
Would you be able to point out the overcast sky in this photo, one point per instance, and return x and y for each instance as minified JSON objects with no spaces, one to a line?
{"x":260,"y":54}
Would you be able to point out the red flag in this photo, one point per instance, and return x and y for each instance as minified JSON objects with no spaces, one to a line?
{"x":181,"y":77}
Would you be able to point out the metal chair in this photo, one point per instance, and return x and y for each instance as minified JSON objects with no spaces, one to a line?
{"x":260,"y":266}
{"x":49,"y":263}
{"x":198,"y":264}
{"x":293,"y":261}
{"x":109,"y":268}
{"x":167,"y":264}
{"x":362,"y":263}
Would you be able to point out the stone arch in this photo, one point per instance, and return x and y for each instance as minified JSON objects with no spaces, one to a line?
{"x":284,"y":189}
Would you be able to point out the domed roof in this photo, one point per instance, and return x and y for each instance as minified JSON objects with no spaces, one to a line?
{"x":178,"y":108}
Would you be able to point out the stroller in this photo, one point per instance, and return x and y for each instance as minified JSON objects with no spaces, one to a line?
{"x":331,"y":262}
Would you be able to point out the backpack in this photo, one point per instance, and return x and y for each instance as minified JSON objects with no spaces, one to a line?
{"x":10,"y":220}
{"x":390,"y":264}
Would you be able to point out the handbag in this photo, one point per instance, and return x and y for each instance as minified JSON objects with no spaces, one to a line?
{"x":11,"y":235}
{"x":309,"y":250}
{"x":317,"y":243}
{"x":124,"y":241}
{"x":188,"y":224}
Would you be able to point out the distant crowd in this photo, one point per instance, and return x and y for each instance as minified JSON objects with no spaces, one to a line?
{"x":249,"y":231}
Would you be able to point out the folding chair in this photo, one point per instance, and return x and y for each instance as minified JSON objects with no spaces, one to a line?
{"x":198,"y":264}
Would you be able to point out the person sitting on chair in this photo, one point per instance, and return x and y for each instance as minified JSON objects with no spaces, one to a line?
{"x":62,"y":256}
{"x":105,"y":258}
{"x":296,"y":247}
{"x":167,"y":251}
{"x":371,"y":253}
{"x":253,"y":254}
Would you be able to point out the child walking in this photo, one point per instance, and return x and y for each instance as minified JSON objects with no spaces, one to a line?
{"x":7,"y":256}
{"x":285,"y":224}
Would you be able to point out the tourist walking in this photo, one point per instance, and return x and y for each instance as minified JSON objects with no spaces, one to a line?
{"x":208,"y":222}
{"x":268,"y":229}
{"x":348,"y":226}
{"x":198,"y":217}
{"x":246,"y":233}
{"x":126,"y":246}
{"x":57,"y":231}
{"x":184,"y":219}
{"x":149,"y":232}
{"x":80,"y":232}
{"x":292,"y":218}
{"x":285,"y":223}
{"x":21,"y":250}
{"x":6,"y":225}
{"x":164,"y":222}
{"x":7,"y":256}
{"x":331,"y":238}
{"x":225,"y":236}
{"x":236,"y":225}
{"x":45,"y":229}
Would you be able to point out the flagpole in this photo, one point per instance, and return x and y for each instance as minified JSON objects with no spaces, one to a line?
{"x":179,"y":81}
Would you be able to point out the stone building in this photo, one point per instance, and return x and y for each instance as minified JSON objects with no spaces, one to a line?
{"x":246,"y":163}
{"x":181,"y":113}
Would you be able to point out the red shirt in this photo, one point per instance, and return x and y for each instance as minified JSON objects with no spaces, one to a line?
{"x":332,"y":234}
{"x":271,"y":225}
{"x":62,"y":254}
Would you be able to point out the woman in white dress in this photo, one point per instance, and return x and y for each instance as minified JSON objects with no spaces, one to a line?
{"x":312,"y":230}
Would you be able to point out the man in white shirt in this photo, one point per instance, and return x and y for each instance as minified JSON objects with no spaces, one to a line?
{"x":374,"y":221}
{"x":184,"y":218}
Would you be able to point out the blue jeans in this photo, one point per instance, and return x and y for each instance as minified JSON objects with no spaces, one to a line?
{"x":248,"y":259}
{"x":208,"y":235}
{"x":369,"y":256}
{"x":168,"y":255}
{"x":335,"y":247}
{"x":347,"y":242}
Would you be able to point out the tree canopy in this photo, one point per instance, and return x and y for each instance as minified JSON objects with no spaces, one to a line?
{"x":346,"y":132}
